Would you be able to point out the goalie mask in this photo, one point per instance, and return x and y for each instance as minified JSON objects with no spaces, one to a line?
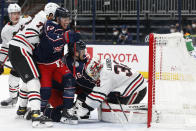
{"x":93,"y":69}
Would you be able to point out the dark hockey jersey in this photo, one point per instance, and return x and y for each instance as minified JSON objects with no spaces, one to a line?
{"x":82,"y":79}
{"x":51,"y":47}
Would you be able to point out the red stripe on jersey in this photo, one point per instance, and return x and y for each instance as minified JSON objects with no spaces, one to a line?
{"x":33,"y":96}
{"x":132,"y":98}
{"x":32,"y":66}
{"x":97,"y":96}
{"x":2,"y":50}
{"x":134,"y":85}
{"x":5,"y":59}
{"x":30,"y":33}
{"x":11,"y":89}
{"x":24,"y":41}
{"x":23,"y":94}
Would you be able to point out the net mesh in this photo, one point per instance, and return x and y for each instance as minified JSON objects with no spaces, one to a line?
{"x":174,"y":75}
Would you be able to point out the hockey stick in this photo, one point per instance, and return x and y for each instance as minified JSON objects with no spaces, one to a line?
{"x":122,"y":108}
{"x":75,"y":23}
{"x":112,"y":111}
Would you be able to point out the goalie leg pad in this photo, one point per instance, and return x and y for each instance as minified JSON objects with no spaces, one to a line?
{"x":134,"y":115}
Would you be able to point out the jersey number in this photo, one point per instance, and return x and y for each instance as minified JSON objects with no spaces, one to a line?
{"x":122,"y":68}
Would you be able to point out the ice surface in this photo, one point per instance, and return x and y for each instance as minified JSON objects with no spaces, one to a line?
{"x":8,"y":122}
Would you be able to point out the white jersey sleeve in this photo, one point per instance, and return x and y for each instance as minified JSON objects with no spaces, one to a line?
{"x":4,"y":47}
{"x":34,"y":29}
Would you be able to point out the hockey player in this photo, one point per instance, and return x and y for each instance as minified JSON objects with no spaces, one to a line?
{"x":21,"y":49}
{"x":48,"y":56}
{"x":17,"y":22}
{"x":59,"y":92}
{"x":118,"y":82}
{"x":189,"y":45}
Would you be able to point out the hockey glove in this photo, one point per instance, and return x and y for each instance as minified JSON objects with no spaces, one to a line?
{"x":112,"y":97}
{"x":71,"y":37}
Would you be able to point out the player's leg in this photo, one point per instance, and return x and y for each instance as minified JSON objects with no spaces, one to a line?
{"x":82,"y":93}
{"x":23,"y":100}
{"x":24,"y":64}
{"x":13,"y":81}
{"x":68,"y":83}
{"x":46,"y":72}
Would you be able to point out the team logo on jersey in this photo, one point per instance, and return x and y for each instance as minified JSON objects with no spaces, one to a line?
{"x":108,"y":64}
{"x":49,"y":28}
{"x":58,"y":49}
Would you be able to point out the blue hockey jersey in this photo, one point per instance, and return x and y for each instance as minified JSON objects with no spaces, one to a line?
{"x":51,"y":47}
{"x":82,"y":79}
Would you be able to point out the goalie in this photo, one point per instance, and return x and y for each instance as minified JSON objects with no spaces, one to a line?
{"x":119,"y":85}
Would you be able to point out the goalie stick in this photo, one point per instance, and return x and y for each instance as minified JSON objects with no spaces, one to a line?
{"x":113,"y":113}
{"x":122,"y":108}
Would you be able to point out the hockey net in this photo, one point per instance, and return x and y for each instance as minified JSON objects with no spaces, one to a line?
{"x":172,"y":82}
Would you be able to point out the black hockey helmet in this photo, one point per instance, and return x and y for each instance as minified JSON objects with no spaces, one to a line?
{"x":80,"y":45}
{"x":62,"y":12}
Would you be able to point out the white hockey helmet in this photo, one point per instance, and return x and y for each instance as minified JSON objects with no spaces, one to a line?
{"x":93,"y":68}
{"x":50,"y":8}
{"x":13,"y":8}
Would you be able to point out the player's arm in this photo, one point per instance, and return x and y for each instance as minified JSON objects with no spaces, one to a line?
{"x":4,"y":47}
{"x":35,"y":27}
{"x":99,"y":93}
{"x":54,"y":38}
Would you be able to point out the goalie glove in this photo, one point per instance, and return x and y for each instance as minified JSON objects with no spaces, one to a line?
{"x":71,"y":37}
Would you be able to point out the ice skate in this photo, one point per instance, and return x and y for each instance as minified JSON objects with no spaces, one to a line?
{"x":68,"y":117}
{"x":40,"y":121}
{"x":9,"y":102}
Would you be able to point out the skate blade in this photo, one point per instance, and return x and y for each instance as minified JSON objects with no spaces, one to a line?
{"x":67,"y":121}
{"x":19,"y":117}
{"x":37,"y":124}
{"x":8,"y":106}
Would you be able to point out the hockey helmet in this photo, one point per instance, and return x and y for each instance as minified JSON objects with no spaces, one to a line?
{"x":187,"y":36}
{"x":93,"y":68}
{"x":62,"y":12}
{"x":50,"y":8}
{"x":80,"y":45}
{"x":13,"y":8}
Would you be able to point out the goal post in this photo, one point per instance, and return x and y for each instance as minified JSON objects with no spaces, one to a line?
{"x":172,"y":82}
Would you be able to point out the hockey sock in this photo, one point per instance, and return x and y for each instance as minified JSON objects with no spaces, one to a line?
{"x":34,"y":94}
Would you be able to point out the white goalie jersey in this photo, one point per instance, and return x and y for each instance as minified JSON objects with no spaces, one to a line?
{"x":116,"y":77}
{"x":8,"y":32}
